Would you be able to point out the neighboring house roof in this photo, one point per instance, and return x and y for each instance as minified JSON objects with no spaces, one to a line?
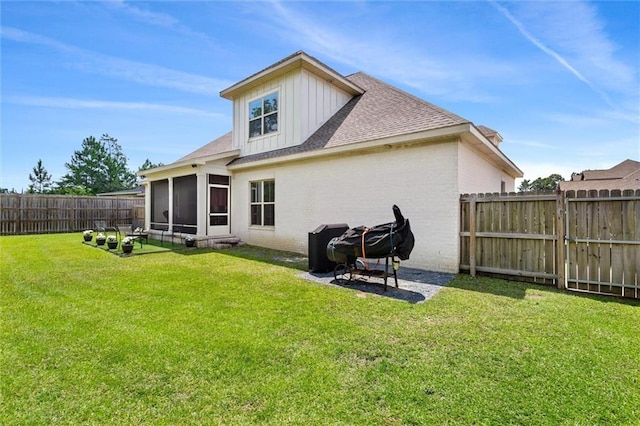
{"x":625,"y":175}
{"x":382,"y":111}
{"x":138,"y":191}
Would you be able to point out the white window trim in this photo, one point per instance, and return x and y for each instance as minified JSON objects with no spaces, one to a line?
{"x":279,"y":112}
{"x":261,"y":203}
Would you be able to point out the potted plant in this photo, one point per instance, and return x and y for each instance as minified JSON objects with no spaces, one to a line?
{"x":87,"y":235}
{"x":190,"y":241}
{"x":127,"y":244}
{"x":100,"y":239}
{"x":112,"y":242}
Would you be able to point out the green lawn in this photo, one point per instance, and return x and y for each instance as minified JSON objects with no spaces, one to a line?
{"x":227,"y":337}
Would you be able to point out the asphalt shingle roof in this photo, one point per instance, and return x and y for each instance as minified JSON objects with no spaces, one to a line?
{"x":625,"y":175}
{"x":619,"y":171}
{"x":216,"y":146}
{"x":382,"y":111}
{"x":487,"y":131}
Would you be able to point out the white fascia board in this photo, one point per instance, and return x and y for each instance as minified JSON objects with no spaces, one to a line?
{"x":410,"y":138}
{"x":485,"y":145}
{"x":300,"y":60}
{"x":200,"y":161}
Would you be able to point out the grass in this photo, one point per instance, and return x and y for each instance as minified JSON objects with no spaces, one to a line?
{"x":147,"y":247}
{"x":228,"y":337}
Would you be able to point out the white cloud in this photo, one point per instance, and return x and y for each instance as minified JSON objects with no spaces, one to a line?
{"x":148,"y":74}
{"x":386,"y":53}
{"x":552,"y":53}
{"x":161,"y":20}
{"x":20,"y":36}
{"x":576,"y":29}
{"x":531,"y":144}
{"x":144,"y":15}
{"x":138,"y":72}
{"x":578,"y":120}
{"x":572,"y":33}
{"x":70,"y":103}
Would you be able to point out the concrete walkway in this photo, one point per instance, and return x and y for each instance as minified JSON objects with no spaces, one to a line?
{"x":414,"y":285}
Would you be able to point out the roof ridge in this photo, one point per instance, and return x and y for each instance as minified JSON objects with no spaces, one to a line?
{"x":405,"y":93}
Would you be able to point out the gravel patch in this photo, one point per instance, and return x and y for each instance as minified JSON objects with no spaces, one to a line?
{"x":414,"y":285}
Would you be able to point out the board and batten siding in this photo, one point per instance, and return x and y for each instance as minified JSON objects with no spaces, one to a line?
{"x":299,"y":116}
{"x":419,"y":179}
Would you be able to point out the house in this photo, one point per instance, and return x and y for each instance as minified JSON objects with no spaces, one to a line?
{"x":138,"y":191}
{"x":625,"y":175}
{"x":310,"y":146}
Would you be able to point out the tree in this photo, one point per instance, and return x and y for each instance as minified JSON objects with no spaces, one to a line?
{"x":149,"y":165}
{"x":120,"y":177}
{"x":100,"y":166}
{"x":40,"y":180}
{"x":71,"y":190}
{"x":550,"y":183}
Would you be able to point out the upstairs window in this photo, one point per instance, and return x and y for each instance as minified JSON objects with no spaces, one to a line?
{"x":263,"y":115}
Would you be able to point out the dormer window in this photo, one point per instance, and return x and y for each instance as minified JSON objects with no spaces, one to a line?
{"x":263,"y":115}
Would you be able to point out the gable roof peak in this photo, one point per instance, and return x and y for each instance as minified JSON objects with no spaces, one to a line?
{"x":297,"y":60}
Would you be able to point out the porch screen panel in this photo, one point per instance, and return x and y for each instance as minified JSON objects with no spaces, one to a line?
{"x":185,"y":204}
{"x":160,"y":205}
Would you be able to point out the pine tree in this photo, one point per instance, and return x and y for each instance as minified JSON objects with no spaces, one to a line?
{"x":40,"y":179}
{"x":149,"y":165}
{"x":99,"y":166}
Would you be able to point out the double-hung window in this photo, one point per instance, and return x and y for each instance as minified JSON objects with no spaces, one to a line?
{"x":263,"y":115}
{"x":263,"y":203}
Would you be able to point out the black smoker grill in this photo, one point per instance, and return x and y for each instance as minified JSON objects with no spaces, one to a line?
{"x":390,"y":241}
{"x":318,"y":240}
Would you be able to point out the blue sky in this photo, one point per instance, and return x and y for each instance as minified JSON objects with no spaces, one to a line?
{"x":558,"y":80}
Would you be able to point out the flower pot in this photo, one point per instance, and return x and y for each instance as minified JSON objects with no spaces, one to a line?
{"x":100,"y":242}
{"x":112,"y":245}
{"x":88,"y":238}
{"x":127,"y":248}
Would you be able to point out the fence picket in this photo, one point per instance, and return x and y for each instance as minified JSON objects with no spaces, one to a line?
{"x":524,"y":236}
{"x":43,"y":214}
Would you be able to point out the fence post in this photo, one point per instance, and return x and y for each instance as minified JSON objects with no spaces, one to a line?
{"x":560,"y":234}
{"x":472,"y":235}
{"x":21,"y":211}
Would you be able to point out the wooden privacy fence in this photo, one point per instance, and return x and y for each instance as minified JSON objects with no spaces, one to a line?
{"x":584,"y":241}
{"x":43,"y":214}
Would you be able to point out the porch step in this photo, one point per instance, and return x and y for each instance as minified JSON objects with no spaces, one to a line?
{"x":222,"y":242}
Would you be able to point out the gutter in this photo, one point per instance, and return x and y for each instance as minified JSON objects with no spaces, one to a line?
{"x":193,"y":162}
{"x":410,"y":138}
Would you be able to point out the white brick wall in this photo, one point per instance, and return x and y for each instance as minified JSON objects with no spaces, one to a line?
{"x":476,"y":174}
{"x":361,"y":190}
